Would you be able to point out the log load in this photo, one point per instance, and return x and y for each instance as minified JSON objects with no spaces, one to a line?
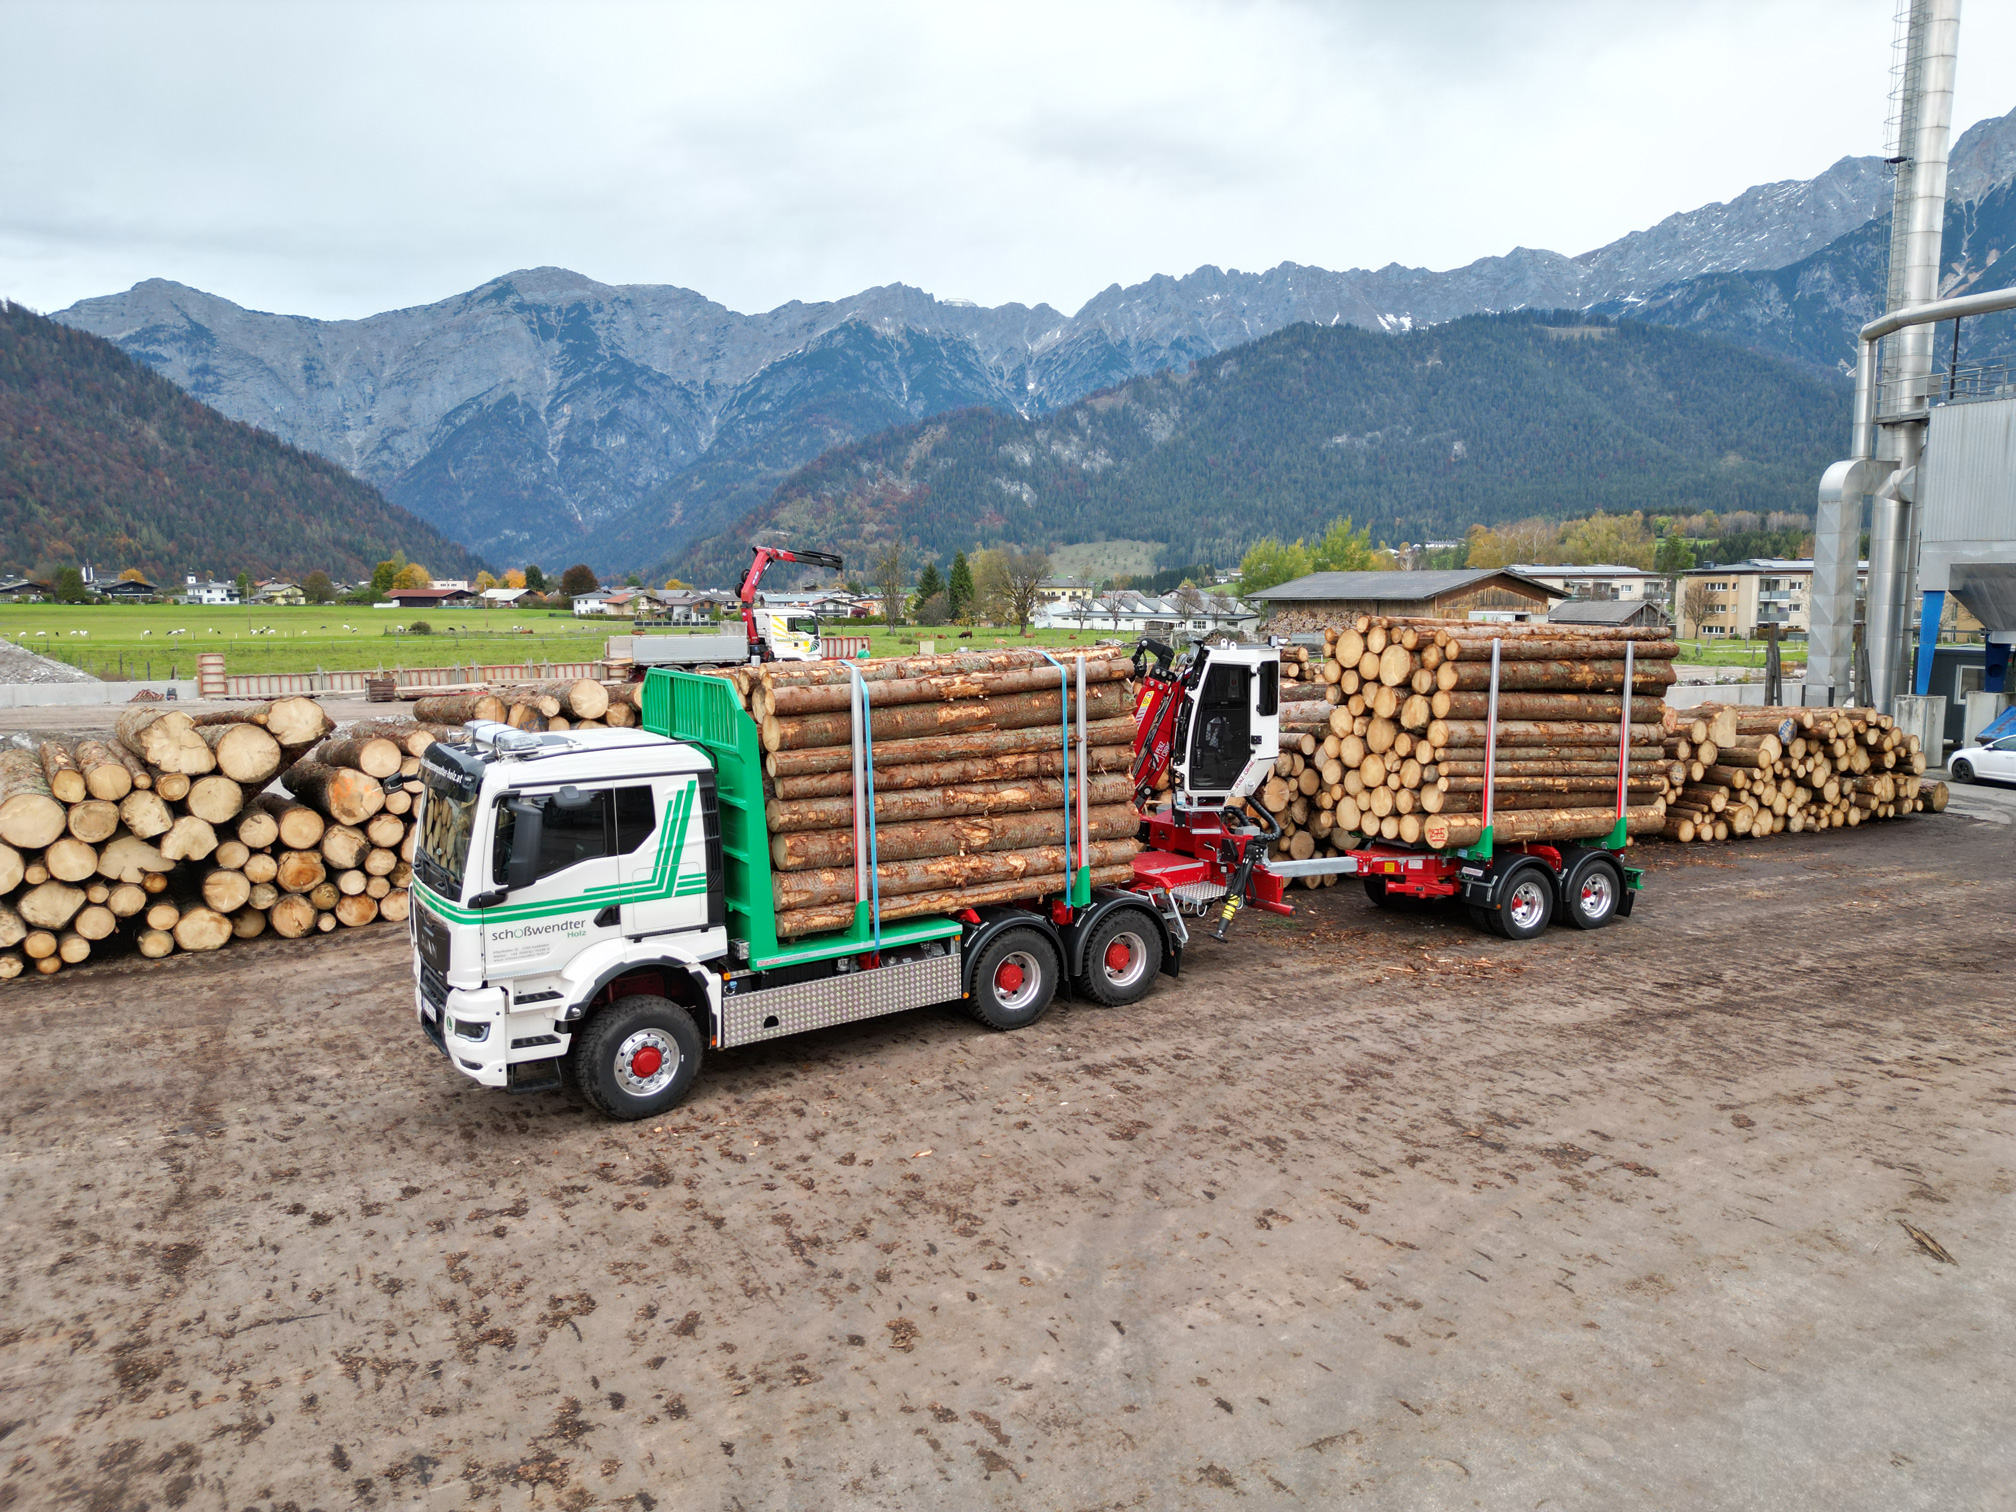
{"x":913,"y":721}
{"x":105,"y":775}
{"x":165,"y":739}
{"x":460,"y":708}
{"x":30,"y":815}
{"x":343,"y":793}
{"x":295,"y":723}
{"x":374,"y":756}
{"x":245,"y":753}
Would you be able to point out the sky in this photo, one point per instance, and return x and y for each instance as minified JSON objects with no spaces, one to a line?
{"x":336,"y":160}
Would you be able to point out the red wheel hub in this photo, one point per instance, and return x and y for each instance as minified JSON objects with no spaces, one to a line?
{"x":1008,"y":979}
{"x":1118,"y":957}
{"x":647,"y":1061}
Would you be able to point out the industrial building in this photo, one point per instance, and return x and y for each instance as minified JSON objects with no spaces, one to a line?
{"x":1933,"y":454}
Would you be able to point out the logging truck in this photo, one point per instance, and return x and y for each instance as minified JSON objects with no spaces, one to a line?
{"x":596,"y":909}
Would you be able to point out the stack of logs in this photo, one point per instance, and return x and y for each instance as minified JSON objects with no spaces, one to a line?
{"x":578,"y":704}
{"x":1745,"y":771}
{"x":1386,"y":740}
{"x":969,"y":768}
{"x":166,"y":836}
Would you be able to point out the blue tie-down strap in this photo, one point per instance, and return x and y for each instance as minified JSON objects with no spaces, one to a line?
{"x":1064,"y":740}
{"x":868,"y":763}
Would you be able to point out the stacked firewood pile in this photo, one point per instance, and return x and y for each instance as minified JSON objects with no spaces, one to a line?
{"x":1392,"y":746}
{"x":171,"y":836}
{"x":1744,"y":771}
{"x":970,"y":779}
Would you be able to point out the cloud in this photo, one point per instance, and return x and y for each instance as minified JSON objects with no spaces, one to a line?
{"x":340,"y":158}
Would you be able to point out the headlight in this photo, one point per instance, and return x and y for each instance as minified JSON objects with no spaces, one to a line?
{"x":470,"y":1029}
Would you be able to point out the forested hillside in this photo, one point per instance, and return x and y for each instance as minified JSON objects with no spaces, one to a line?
{"x":106,"y":462}
{"x":1419,"y":435}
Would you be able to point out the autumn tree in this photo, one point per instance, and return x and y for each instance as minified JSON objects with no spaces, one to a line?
{"x":317,"y":588}
{"x":1268,"y":562}
{"x":1613,"y":539}
{"x":1006,"y":584}
{"x":132,"y":575}
{"x":413,"y":575}
{"x":515,"y":578}
{"x":1697,"y":603}
{"x":575,"y":581}
{"x":484,"y":582}
{"x":1345,"y":550}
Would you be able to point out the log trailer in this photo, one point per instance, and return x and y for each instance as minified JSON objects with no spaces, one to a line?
{"x":595,"y":909}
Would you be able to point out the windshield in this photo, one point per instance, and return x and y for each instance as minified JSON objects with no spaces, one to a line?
{"x":447,"y":820}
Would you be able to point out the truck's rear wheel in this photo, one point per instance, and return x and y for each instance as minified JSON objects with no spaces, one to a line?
{"x":637,"y":1057}
{"x":1525,"y":903}
{"x":1593,"y":891}
{"x":1121,"y":958}
{"x":1015,"y":980}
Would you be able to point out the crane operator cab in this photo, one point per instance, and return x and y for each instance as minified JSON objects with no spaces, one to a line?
{"x":1228,"y":733}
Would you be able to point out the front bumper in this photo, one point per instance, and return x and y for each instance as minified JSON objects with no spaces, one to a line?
{"x":448,"y":1017}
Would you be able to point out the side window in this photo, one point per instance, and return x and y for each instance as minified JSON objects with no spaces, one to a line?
{"x":572,"y":834}
{"x":636,"y":818}
{"x":1270,"y":687}
{"x":606,"y":822}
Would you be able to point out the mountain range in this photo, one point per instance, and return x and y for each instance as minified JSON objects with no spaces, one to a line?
{"x":1419,"y":434}
{"x":545,"y":416}
{"x":105,"y":462}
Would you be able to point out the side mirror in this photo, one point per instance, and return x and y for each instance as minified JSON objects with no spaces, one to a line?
{"x":528,"y":830}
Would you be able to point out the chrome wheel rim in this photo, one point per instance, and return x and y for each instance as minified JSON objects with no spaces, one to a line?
{"x":1528,"y":904}
{"x":1597,"y":894}
{"x":660,"y":1062}
{"x":1133,"y":959}
{"x":1016,"y":990}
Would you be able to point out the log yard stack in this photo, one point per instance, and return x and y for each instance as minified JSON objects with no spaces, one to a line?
{"x":971,"y":782}
{"x":1387,"y":741}
{"x":1744,"y":771}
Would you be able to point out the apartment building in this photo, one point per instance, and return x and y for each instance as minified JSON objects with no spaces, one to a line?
{"x":1738,"y":599}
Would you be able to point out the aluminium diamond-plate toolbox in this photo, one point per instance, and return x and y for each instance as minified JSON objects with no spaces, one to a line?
{"x":749,"y":1017}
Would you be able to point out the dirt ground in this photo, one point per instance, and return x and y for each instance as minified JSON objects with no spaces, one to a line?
{"x":1367,"y":1209}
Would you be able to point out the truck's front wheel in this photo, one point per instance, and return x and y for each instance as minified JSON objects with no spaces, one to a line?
{"x":637,"y":1057}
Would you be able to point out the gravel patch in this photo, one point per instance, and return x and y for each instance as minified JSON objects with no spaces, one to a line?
{"x":20,"y":665}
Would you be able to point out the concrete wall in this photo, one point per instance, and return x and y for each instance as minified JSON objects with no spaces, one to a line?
{"x":76,"y":695}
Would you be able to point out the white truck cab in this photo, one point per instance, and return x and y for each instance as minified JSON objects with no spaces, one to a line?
{"x":791,"y":634}
{"x":549,"y":869}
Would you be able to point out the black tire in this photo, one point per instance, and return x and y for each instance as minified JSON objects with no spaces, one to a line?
{"x":1004,"y":1000}
{"x":1525,"y":902}
{"x":1595,"y":888}
{"x":1108,"y":978}
{"x":605,"y":1057}
{"x":1482,"y":918}
{"x":1962,"y":771}
{"x":1375,"y":889}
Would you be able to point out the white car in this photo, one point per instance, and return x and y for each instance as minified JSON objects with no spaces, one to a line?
{"x":1995,"y":761}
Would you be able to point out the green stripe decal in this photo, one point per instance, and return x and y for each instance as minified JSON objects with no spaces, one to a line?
{"x":664,"y":881}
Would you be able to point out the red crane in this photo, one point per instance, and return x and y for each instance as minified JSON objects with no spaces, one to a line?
{"x":763,"y":556}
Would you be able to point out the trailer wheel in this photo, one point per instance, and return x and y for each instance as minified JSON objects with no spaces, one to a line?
{"x":1593,"y":891}
{"x":637,"y":1057}
{"x":1015,"y":980}
{"x":1121,"y":959}
{"x":1525,"y":902}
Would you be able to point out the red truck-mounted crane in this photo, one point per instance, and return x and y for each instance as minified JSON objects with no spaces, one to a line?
{"x":760,"y":559}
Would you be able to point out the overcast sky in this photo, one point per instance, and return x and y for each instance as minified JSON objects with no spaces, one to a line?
{"x":340,"y":159}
